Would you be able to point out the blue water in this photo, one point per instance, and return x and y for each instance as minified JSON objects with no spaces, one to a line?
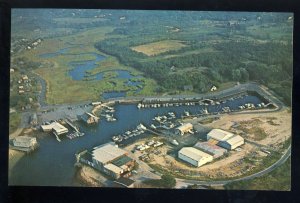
{"x":53,"y":163}
{"x":80,"y":67}
{"x":57,"y":53}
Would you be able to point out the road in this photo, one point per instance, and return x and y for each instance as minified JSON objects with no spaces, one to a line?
{"x":224,"y":182}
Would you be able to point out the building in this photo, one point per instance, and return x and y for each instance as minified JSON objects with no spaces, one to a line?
{"x":89,"y":118}
{"x":112,"y":160}
{"x":219,"y":135}
{"x":33,"y":119}
{"x":56,"y":128}
{"x":232,"y":143}
{"x":194,"y":156}
{"x":211,"y":149}
{"x":24,"y":142}
{"x":185,"y":128}
{"x":213,"y":88}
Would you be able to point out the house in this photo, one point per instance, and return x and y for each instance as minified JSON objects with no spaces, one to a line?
{"x":25,"y":77}
{"x":232,"y":142}
{"x":33,"y":119}
{"x":185,"y":128}
{"x":194,"y":156}
{"x":213,"y":88}
{"x":89,"y":118}
{"x":12,"y":70}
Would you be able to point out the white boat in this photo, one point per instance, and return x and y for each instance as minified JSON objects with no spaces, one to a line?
{"x":153,"y":126}
{"x":174,"y":142}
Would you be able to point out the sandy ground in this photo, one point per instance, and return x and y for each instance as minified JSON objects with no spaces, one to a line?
{"x":90,"y":177}
{"x":14,"y":157}
{"x":277,"y":132}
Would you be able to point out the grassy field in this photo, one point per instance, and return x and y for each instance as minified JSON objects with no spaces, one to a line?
{"x":60,"y":86}
{"x":279,"y":180}
{"x":159,"y":47}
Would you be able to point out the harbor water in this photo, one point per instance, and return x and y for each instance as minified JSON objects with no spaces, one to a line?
{"x":53,"y":163}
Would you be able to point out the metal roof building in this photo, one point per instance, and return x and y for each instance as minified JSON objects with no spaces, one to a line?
{"x":194,"y":156}
{"x":24,"y":141}
{"x":219,"y":135}
{"x":184,"y":128}
{"x":232,"y":142}
{"x":107,"y":153}
{"x":56,"y":127}
{"x":211,"y":149}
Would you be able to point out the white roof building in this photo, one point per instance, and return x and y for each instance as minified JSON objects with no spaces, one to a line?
{"x":219,"y":135}
{"x":56,"y":127}
{"x":184,"y":128}
{"x":113,"y":168}
{"x":24,"y":141}
{"x":232,"y":142}
{"x":106,"y":153}
{"x":194,"y":156}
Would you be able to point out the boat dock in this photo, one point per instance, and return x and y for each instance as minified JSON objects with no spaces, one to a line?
{"x":72,"y":125}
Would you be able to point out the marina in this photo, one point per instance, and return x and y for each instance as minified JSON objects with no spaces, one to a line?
{"x":125,"y":130}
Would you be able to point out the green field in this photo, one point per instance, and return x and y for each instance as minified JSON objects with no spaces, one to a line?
{"x":278,"y":180}
{"x":60,"y":86}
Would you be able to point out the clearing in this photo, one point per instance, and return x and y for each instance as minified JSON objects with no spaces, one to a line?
{"x":159,"y":47}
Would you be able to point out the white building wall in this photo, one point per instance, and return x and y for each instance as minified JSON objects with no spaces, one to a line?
{"x":187,"y":159}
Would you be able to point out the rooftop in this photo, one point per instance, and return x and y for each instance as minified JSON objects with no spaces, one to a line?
{"x":235,"y":139}
{"x":219,"y":134}
{"x":107,"y":152}
{"x":193,"y":153}
{"x":186,"y":126}
{"x":113,"y":168}
{"x":24,"y":139}
{"x":121,"y":161}
{"x":209,"y":147}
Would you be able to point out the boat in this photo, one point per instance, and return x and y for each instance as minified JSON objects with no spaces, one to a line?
{"x":186,"y":113}
{"x":153,"y":126}
{"x":174,"y":142}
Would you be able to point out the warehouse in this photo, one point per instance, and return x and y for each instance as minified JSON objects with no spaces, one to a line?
{"x":219,"y":135}
{"x":57,"y":128}
{"x":24,"y":141}
{"x":185,"y":128}
{"x":232,"y":142}
{"x":194,"y":156}
{"x":211,"y":149}
{"x":112,"y":160}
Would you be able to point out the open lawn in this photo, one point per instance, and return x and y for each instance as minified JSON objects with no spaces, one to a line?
{"x":159,"y":47}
